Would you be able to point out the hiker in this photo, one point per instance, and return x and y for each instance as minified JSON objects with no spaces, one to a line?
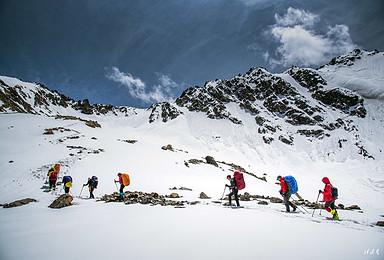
{"x":286,"y":192}
{"x":234,"y":191}
{"x":92,"y":185}
{"x":52,"y":179}
{"x":329,"y":200}
{"x":67,"y":181}
{"x":124,"y":181}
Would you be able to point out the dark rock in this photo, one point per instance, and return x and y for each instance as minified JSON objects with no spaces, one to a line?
{"x":276,"y":200}
{"x":245,"y":197}
{"x":340,"y":206}
{"x":18,"y":203}
{"x":168,"y":147}
{"x":204,"y":196}
{"x":174,"y":196}
{"x":262,"y":202}
{"x":62,"y":201}
{"x":353,"y":207}
{"x":86,"y":108}
{"x":211,"y":160}
{"x":164,"y":111}
{"x":380,"y":223}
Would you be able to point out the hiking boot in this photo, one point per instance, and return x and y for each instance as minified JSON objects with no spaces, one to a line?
{"x":294,"y":209}
{"x":49,"y":189}
{"x":333,"y":211}
{"x":336,"y":216}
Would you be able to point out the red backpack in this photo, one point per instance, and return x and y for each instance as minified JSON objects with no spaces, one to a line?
{"x":53,"y":176}
{"x":239,"y":178}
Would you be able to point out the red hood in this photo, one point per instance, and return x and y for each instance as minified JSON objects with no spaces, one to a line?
{"x":326,"y":180}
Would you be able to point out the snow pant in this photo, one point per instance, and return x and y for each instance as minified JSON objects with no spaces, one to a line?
{"x":52,"y":184}
{"x":91,"y":189}
{"x":122,"y":189}
{"x":287,"y":203}
{"x":329,"y":205}
{"x":66,"y":189}
{"x":234,"y":193}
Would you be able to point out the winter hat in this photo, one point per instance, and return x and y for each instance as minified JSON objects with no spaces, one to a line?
{"x":326,"y":180}
{"x":278,"y":177}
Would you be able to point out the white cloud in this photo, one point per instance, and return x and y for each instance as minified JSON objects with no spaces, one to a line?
{"x":296,"y":17}
{"x":300,"y":42}
{"x":138,"y":89}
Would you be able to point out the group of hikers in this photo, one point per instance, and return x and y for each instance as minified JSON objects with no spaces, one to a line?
{"x":91,"y":183}
{"x":288,"y":187}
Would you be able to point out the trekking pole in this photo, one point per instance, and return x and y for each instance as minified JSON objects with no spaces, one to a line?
{"x":116,"y":186}
{"x":81,"y":191}
{"x":297,"y":207}
{"x":316,"y":204}
{"x":222,"y":196}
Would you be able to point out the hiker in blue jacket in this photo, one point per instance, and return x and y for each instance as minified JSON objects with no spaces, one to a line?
{"x":67,"y":181}
{"x":234,"y":191}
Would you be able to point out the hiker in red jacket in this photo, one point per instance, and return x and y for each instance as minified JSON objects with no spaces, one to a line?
{"x":52,"y":180}
{"x":329,"y":200}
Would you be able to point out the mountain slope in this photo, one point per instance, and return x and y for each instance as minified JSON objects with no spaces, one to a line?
{"x":299,"y":122}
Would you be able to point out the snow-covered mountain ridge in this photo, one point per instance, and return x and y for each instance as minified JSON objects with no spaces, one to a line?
{"x":295,"y":105}
{"x":303,"y":122}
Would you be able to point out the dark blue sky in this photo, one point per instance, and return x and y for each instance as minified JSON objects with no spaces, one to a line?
{"x":136,"y":53}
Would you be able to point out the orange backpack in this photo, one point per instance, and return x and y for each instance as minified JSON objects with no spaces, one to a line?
{"x":126,"y":180}
{"x":57,"y":167}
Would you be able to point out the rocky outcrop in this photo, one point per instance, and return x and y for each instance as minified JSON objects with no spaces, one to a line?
{"x":163,"y":111}
{"x":64,"y":200}
{"x":138,"y":197}
{"x":18,"y":203}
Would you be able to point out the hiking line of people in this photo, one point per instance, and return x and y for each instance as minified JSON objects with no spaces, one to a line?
{"x":288,"y":186}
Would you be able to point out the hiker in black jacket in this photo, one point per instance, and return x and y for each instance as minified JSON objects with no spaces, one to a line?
{"x":92,"y":184}
{"x":234,"y":191}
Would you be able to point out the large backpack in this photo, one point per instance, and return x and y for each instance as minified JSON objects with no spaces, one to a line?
{"x":67,"y":180}
{"x":53,"y":176}
{"x":334,"y":192}
{"x":292,"y":181}
{"x":95,"y":182}
{"x":126,"y":180}
{"x":239,"y":178}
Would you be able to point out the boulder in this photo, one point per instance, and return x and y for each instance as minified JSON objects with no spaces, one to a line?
{"x":262,"y":202}
{"x":174,"y":195}
{"x":353,"y":207}
{"x":276,"y":200}
{"x":245,"y":197}
{"x":380,"y":223}
{"x":211,"y":160}
{"x":62,"y":201}
{"x":18,"y":203}
{"x":204,"y":196}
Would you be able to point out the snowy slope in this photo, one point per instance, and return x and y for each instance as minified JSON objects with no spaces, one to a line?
{"x":98,"y":230}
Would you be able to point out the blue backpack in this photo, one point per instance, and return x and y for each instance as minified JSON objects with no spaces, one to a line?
{"x":292,"y":181}
{"x":67,"y":179}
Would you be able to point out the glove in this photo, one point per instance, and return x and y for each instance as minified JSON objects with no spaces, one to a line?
{"x":320,"y":191}
{"x":281,"y":193}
